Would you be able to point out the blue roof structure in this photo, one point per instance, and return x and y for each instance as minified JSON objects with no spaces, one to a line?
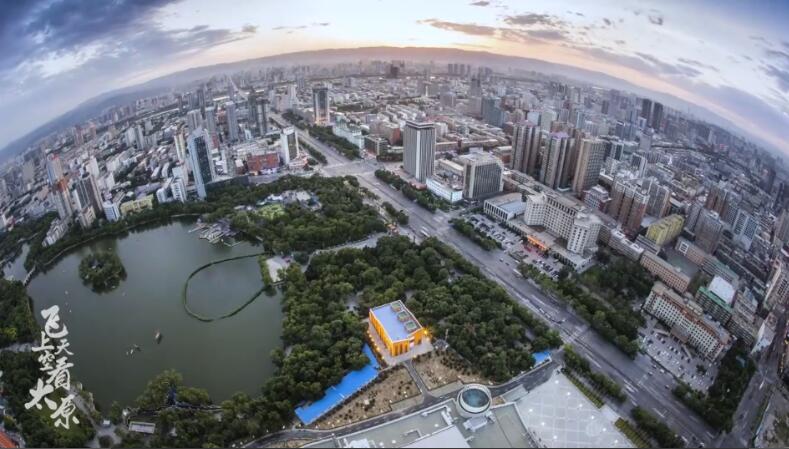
{"x":540,"y":357}
{"x":350,"y":384}
{"x":398,"y":321}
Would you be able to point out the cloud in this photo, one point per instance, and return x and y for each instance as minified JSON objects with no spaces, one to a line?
{"x":252,"y":29}
{"x":781,"y":76}
{"x":696,"y":63}
{"x":290,"y":29}
{"x":664,"y":68}
{"x":465,"y":28}
{"x":480,"y":3}
{"x":531,"y":19}
{"x":607,"y":21}
{"x":656,"y":20}
{"x":31,"y":30}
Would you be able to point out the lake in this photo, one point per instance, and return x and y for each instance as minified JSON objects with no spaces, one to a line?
{"x":223,"y":357}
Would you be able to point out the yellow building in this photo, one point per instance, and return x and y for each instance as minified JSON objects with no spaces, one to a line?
{"x":145,"y":202}
{"x":666,"y":229}
{"x":397,"y":327}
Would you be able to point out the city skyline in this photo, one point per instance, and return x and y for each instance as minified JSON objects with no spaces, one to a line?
{"x":57,"y":56}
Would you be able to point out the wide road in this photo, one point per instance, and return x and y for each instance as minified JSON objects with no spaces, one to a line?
{"x":644,"y":384}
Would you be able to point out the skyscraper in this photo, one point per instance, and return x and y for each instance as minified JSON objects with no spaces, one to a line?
{"x":88,"y":192}
{"x":659,"y":200}
{"x":54,"y":168}
{"x":628,"y":206}
{"x":590,"y":161}
{"x":491,"y":112}
{"x":553,"y":165}
{"x":657,"y":116}
{"x":232,"y":121}
{"x":778,"y":291}
{"x":289,"y":145}
{"x":200,"y":159}
{"x":139,"y":137}
{"x":62,"y":200}
{"x":194,"y":120}
{"x":482,"y":176}
{"x":526,"y":141}
{"x":210,"y":120}
{"x":708,"y":230}
{"x":419,"y":149}
{"x":320,"y":105}
{"x":646,"y":110}
{"x":261,"y":115}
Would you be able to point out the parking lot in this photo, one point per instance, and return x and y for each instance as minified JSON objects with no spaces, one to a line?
{"x":672,"y":356}
{"x":494,"y":230}
{"x":546,"y":264}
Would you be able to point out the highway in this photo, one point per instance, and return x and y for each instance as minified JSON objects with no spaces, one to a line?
{"x":649,"y":391}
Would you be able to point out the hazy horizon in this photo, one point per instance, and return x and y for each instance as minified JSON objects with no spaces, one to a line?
{"x":57,"y":55}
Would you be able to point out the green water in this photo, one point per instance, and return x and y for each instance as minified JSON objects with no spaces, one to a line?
{"x":223,"y":357}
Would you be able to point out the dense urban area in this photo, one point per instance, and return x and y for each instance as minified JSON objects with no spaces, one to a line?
{"x":464,"y":256}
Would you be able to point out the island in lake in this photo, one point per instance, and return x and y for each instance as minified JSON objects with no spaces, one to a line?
{"x":103,"y":271}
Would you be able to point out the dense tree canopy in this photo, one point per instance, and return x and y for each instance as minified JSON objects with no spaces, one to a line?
{"x":20,"y":374}
{"x":16,"y":318}
{"x":718,"y":406}
{"x":103,"y":271}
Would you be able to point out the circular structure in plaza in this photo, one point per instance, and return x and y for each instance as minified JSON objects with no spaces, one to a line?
{"x":474,"y":400}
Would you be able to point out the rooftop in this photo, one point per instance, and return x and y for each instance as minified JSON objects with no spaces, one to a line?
{"x":722,"y":289}
{"x":397,"y":320}
{"x":442,"y":426}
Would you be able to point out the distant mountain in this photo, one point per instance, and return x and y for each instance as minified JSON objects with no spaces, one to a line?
{"x":94,"y":106}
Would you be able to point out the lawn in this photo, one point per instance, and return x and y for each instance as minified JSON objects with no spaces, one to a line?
{"x":271,"y":211}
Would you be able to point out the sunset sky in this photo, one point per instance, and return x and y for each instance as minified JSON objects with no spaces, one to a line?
{"x":730,"y":57}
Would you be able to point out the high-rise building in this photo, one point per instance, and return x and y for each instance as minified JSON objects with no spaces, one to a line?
{"x":62,"y":200}
{"x":54,"y":168}
{"x":666,"y":229}
{"x":694,"y":212}
{"x":564,"y":218}
{"x":88,"y":192}
{"x":261,"y":115}
{"x":419,"y":149}
{"x":777,"y":293}
{"x":745,"y":227}
{"x":289,"y":145}
{"x":657,"y":116}
{"x":628,"y":206}
{"x":708,"y":230}
{"x":526,"y":141}
{"x":201,"y":100}
{"x":320,"y":105}
{"x":482,"y":176}
{"x":659,"y":200}
{"x":492,"y":114}
{"x":782,"y":227}
{"x":589,"y":163}
{"x":92,"y":167}
{"x":139,"y":137}
{"x":210,"y":120}
{"x":232,"y":121}
{"x":180,"y":145}
{"x":555,"y":160}
{"x":646,"y":110}
{"x":194,"y":120}
{"x":178,"y":189}
{"x":203,"y":169}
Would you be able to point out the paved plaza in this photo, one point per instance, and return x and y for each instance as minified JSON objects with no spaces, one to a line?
{"x":559,"y":415}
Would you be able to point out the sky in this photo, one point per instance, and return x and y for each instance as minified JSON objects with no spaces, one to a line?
{"x":730,"y":57}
